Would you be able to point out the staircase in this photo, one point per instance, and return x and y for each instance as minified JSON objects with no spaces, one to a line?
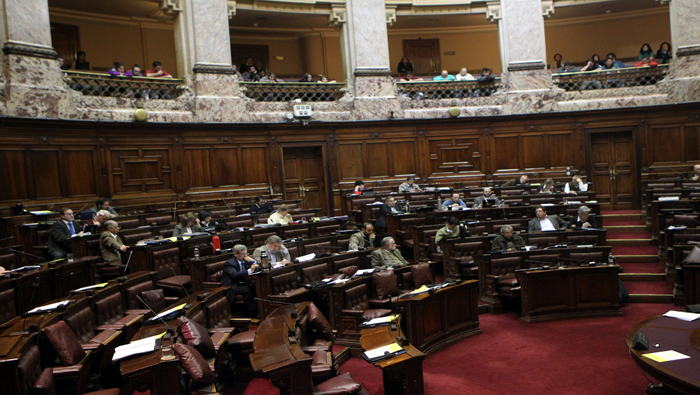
{"x":642,"y":273}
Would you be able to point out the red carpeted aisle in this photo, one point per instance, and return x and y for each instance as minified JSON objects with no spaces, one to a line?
{"x":580,"y":356}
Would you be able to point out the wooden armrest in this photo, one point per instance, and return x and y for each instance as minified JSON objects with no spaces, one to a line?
{"x":171,"y":299}
{"x":222,"y":330}
{"x":67,"y":370}
{"x":279,"y":298}
{"x":137,"y":311}
{"x":92,"y":346}
{"x":219,"y":338}
{"x":357,"y":313}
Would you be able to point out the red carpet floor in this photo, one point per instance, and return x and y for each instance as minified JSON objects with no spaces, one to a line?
{"x":580,"y":356}
{"x":642,"y":267}
{"x":648,"y":287}
{"x":628,"y":235}
{"x":635,"y":250}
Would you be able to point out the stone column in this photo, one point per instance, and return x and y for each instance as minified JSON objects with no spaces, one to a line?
{"x":203,"y":47}
{"x":365,"y":50}
{"x":685,"y":36}
{"x":33,"y":82}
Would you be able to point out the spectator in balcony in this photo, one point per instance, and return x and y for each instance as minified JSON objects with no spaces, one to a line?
{"x":444,"y":76}
{"x":81,"y":63}
{"x":251,"y":75}
{"x":568,"y":68}
{"x":618,"y":63}
{"x":557,"y":61}
{"x":272,"y":78}
{"x":262,"y":75}
{"x":645,"y":52}
{"x":591,"y":65}
{"x":118,"y":70}
{"x":463,"y":75}
{"x":135,"y":71}
{"x":610,"y":65}
{"x":307,"y":78}
{"x":247,"y":65}
{"x":238,"y":74}
{"x":405,"y":66}
{"x":157,"y":71}
{"x":646,"y":62}
{"x":485,"y":75}
{"x":664,"y":53}
{"x":410,"y":77}
{"x":596,"y":58}
{"x":62,"y":63}
{"x":324,"y":80}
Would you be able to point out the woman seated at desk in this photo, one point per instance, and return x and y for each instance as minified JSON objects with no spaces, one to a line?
{"x":188,"y":225}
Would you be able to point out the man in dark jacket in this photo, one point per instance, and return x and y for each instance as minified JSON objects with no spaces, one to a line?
{"x":58,"y":245}
{"x":236,"y":270}
{"x":507,"y":241}
{"x":260,"y":206}
{"x":584,"y":220}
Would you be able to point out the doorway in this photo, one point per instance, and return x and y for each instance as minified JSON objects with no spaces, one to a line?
{"x":304,"y":175}
{"x":66,"y":42}
{"x":612,"y":167}
{"x":424,"y":55}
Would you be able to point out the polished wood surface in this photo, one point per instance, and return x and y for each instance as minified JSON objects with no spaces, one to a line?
{"x":571,"y":292}
{"x":670,"y":334}
{"x":437,"y":319}
{"x":612,"y":159}
{"x":403,"y":374}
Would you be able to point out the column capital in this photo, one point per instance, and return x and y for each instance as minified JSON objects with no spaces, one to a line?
{"x":10,"y":48}
{"x":390,"y":15}
{"x":170,"y":7}
{"x":547,"y":8}
{"x":493,"y":11}
{"x":231,"y":5}
{"x":338,"y":15}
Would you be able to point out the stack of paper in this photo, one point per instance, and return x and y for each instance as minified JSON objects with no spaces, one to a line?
{"x":384,"y":352}
{"x":669,"y":198}
{"x":362,"y":272}
{"x":682,"y":315}
{"x":665,"y":356}
{"x":420,"y":290}
{"x":382,"y":320}
{"x":166,"y":312}
{"x":48,"y":307}
{"x":89,"y":287}
{"x":137,"y":347}
{"x":305,"y":258}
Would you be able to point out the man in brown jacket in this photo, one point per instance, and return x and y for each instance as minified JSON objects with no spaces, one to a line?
{"x":111,"y":245}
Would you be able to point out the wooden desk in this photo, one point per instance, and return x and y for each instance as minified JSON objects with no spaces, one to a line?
{"x":670,"y":334}
{"x":444,"y":317}
{"x":402,"y":374}
{"x":571,"y":292}
{"x":284,"y":362}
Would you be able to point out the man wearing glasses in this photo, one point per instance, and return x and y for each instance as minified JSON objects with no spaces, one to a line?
{"x":236,"y":270}
{"x":111,"y":245}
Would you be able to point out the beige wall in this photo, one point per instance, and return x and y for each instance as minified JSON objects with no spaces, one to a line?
{"x":106,"y":41}
{"x":289,"y":48}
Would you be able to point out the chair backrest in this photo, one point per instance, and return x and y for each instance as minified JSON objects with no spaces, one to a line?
{"x":467,"y":251}
{"x":584,"y":257}
{"x":29,"y":369}
{"x":690,"y":221}
{"x":357,"y":203}
{"x":93,"y":247}
{"x":421,"y":275}
{"x":587,"y":239}
{"x":356,"y":298}
{"x":42,"y":236}
{"x":503,"y":266}
{"x":218,"y":313}
{"x":258,"y":239}
{"x":81,"y":323}
{"x":326,"y":229}
{"x":199,"y":317}
{"x":283,"y":283}
{"x":314,"y":273}
{"x":238,"y":222}
{"x":166,"y":259}
{"x":108,"y":309}
{"x":295,"y":233}
{"x":385,"y":284}
{"x":8,"y":305}
{"x":133,"y":238}
{"x":542,"y":241}
{"x":341,"y":263}
{"x":159,"y":219}
{"x":131,"y":291}
{"x":128,"y":223}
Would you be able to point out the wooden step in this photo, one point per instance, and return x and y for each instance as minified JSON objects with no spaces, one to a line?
{"x":483,"y":308}
{"x":628,"y":242}
{"x":650,"y":298}
{"x":637,"y":258}
{"x":642,"y":277}
{"x":626,"y":228}
{"x":622,"y":217}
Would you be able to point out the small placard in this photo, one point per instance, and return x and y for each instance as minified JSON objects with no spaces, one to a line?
{"x":302,"y":110}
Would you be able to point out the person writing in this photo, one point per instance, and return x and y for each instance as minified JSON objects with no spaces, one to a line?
{"x":276,"y":252}
{"x":409,"y":185}
{"x":235,"y":272}
{"x":281,"y":217}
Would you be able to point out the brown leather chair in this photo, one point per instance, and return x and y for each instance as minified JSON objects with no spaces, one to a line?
{"x":8,"y":304}
{"x":165,"y":260}
{"x":689,"y":221}
{"x":314,"y":273}
{"x":386,"y":288}
{"x":501,"y":281}
{"x":128,"y":222}
{"x":343,"y":384}
{"x":109,"y":314}
{"x":463,"y":255}
{"x":542,"y":241}
{"x":45,"y":384}
{"x":285,"y":288}
{"x":356,"y":310}
{"x":101,"y":342}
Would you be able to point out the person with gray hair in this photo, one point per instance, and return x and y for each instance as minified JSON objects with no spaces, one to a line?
{"x":235,"y":272}
{"x":111,"y":245}
{"x":388,"y":256}
{"x":281,"y":216}
{"x":584,"y":219}
{"x":409,"y":185}
{"x":507,"y":240}
{"x":276,"y":252}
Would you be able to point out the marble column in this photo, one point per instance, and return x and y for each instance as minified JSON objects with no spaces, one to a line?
{"x":685,"y":36}
{"x":204,"y":55}
{"x":365,"y":50}
{"x":31,"y":76}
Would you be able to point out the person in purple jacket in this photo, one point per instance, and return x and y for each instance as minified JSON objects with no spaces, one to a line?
{"x":118,"y":71}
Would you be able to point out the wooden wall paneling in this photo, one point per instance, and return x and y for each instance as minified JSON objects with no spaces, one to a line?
{"x":624,"y":153}
{"x":13,"y":172}
{"x":465,"y":156}
{"x":46,"y":176}
{"x":225,"y":168}
{"x":350,"y":159}
{"x":535,"y":151}
{"x":692,"y":143}
{"x":254,"y":164}
{"x":197,"y":164}
{"x":404,"y":154}
{"x":666,"y":141}
{"x":81,"y":169}
{"x":562,"y":149}
{"x":144,"y":169}
{"x":376,"y":158}
{"x":505,"y":152}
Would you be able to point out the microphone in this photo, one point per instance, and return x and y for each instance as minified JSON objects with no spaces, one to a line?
{"x":167,"y":327}
{"x":7,"y":238}
{"x":26,"y":253}
{"x":175,"y":212}
{"x":81,"y":209}
{"x":227,"y":205}
{"x":127,"y":262}
{"x":36,"y":284}
{"x":187,"y":306}
{"x":402,"y":340}
{"x":683,"y":176}
{"x":291,"y":333}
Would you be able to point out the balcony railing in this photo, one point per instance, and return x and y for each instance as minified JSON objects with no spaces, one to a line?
{"x":288,"y":91}
{"x":610,"y":79}
{"x":418,"y":90}
{"x":104,"y":85}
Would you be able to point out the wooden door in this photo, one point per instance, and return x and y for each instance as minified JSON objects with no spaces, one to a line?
{"x":424,"y":55}
{"x":66,"y":42}
{"x":259,"y":53}
{"x":305,"y":176}
{"x":613,"y":169}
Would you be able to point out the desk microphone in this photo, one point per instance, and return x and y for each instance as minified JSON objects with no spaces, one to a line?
{"x":187,"y":305}
{"x":127,"y":262}
{"x":36,"y":284}
{"x":167,"y":327}
{"x":7,"y":238}
{"x":291,"y":333}
{"x":293,"y":315}
{"x":227,"y":205}
{"x":27,"y":254}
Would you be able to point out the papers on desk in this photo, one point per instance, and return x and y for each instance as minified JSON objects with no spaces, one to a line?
{"x":573,"y":202}
{"x":669,"y":198}
{"x":48,"y":307}
{"x":306,"y":258}
{"x":665,"y":356}
{"x":89,"y":287}
{"x":375,"y":204}
{"x":682,"y":315}
{"x":19,"y":269}
{"x":362,"y":272}
{"x":676,"y":227}
{"x":137,"y":347}
{"x":528,"y":248}
{"x":420,"y":290}
{"x":591,"y":201}
{"x":444,"y":188}
{"x":382,"y":353}
{"x":584,"y":246}
{"x":166,"y":312}
{"x":547,"y":204}
{"x":41,"y":212}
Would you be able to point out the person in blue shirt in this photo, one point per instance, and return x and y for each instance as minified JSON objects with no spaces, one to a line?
{"x":611,"y":65}
{"x":617,"y":63}
{"x":444,"y":76}
{"x":454,"y":201}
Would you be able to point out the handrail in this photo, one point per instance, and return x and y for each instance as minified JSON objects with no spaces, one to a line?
{"x":418,"y":90}
{"x":105,"y":85}
{"x":288,"y":91}
{"x":611,"y":78}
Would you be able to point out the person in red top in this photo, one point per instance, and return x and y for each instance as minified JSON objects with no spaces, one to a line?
{"x":359,"y":187}
{"x":157,"y":71}
{"x":646,"y":62}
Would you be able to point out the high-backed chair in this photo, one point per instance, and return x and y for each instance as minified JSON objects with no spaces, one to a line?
{"x":501,"y":281}
{"x":541,"y":240}
{"x":128,"y":222}
{"x":102,"y":342}
{"x":285,"y":288}
{"x":356,"y":310}
{"x":45,"y":384}
{"x":109,"y":314}
{"x":463,"y":256}
{"x":689,"y":221}
{"x":163,"y":261}
{"x":61,"y":351}
{"x":386,"y":288}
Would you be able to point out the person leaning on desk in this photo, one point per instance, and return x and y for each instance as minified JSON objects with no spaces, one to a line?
{"x":584,"y":220}
{"x":388,"y":256}
{"x":389,"y":207}
{"x":189,"y":224}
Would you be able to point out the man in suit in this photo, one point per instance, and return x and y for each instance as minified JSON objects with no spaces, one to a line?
{"x":409,"y":185}
{"x":388,"y":256}
{"x":61,"y":232}
{"x":236,"y":270}
{"x":545,"y":222}
{"x":522,"y":180}
{"x":388,"y":208}
{"x":507,"y":240}
{"x":103,"y":204}
{"x":276,"y":252}
{"x":362,"y":239}
{"x":260,"y":206}
{"x":480,"y":201}
{"x":584,"y":220}
{"x":111,"y":245}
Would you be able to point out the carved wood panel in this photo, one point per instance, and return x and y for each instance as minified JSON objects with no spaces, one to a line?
{"x":454,"y":155}
{"x":45,"y":179}
{"x":14,"y":162}
{"x":80,"y":166}
{"x":146,"y":169}
{"x":254,"y":165}
{"x":692,"y":143}
{"x":665,"y":142}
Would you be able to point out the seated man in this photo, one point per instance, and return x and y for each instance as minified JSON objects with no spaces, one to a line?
{"x":454,"y":201}
{"x":62,"y":231}
{"x":409,"y":185}
{"x":481,"y":201}
{"x":388,"y":256}
{"x":575,"y":185}
{"x":251,"y":75}
{"x":276,"y":252}
{"x":111,"y":245}
{"x":450,"y":230}
{"x":507,"y":240}
{"x":545,"y":222}
{"x":157,"y":71}
{"x":281,"y":217}
{"x":205,"y":222}
{"x":103,"y":204}
{"x":522,"y":180}
{"x":362,"y":239}
{"x":236,"y":270}
{"x":444,"y":76}
{"x":99,"y":220}
{"x":584,"y":220}
{"x":260,"y":206}
{"x":567,"y":67}
{"x":696,"y":173}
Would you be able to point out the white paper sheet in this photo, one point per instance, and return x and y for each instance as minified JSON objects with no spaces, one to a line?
{"x":48,"y":307}
{"x":306,"y":258}
{"x":137,"y":347}
{"x":682,"y":315}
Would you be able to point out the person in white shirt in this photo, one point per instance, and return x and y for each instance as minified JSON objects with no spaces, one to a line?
{"x":281,"y":217}
{"x":545,"y":222}
{"x":463,"y":75}
{"x":575,"y":185}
